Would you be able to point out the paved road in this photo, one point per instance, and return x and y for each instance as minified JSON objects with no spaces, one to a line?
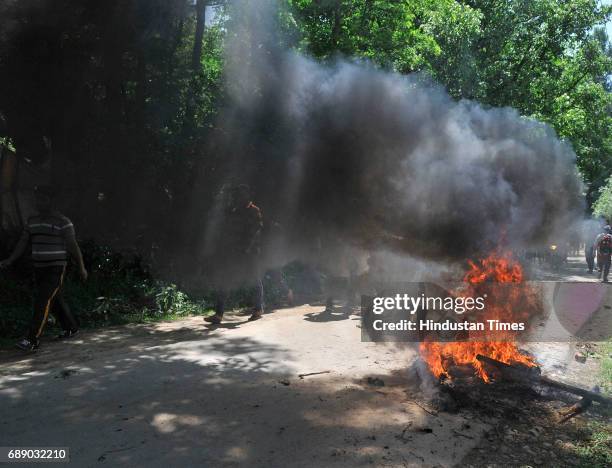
{"x":575,"y":269}
{"x":185,"y":394}
{"x":182,"y":394}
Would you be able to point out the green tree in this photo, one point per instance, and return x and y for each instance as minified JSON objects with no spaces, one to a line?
{"x":603,"y":204}
{"x":398,"y":35}
{"x":546,"y":58}
{"x":126,"y":91}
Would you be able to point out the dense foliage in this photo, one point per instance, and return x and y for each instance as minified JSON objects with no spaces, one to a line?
{"x":127,"y":91}
{"x":549,"y":59}
{"x":125,"y":98}
{"x":120,"y":96}
{"x":120,"y":290}
{"x":603,"y":204}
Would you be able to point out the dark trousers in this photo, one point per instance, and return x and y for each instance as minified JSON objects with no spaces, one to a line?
{"x":605,"y":264}
{"x":589,"y":253}
{"x":256,"y":291}
{"x":48,"y":298}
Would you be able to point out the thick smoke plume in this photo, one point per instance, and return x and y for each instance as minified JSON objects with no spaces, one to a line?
{"x":345,"y":153}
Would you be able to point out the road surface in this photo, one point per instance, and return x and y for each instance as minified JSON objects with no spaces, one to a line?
{"x":185,"y":393}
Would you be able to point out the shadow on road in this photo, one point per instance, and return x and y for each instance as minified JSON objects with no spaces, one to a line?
{"x":330,"y":314}
{"x":171,"y":398}
{"x":575,"y":269}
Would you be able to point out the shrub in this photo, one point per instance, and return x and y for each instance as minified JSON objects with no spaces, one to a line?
{"x":120,"y":289}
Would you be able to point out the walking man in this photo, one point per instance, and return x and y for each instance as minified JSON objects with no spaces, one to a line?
{"x":604,"y":252}
{"x":233,"y":253}
{"x":52,"y":239}
{"x":590,"y":232}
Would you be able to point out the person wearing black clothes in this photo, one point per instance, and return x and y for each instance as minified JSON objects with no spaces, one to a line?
{"x":233,"y":249}
{"x":52,"y":238}
{"x":592,"y":233}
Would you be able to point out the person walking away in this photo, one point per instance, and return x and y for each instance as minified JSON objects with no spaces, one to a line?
{"x":590,"y":232}
{"x":604,"y":252}
{"x":52,"y":239}
{"x":589,"y":254}
{"x":597,"y":257}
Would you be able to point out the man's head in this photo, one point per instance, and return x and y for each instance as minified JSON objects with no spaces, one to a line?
{"x":43,"y":197}
{"x":607,"y":229}
{"x":244,"y":194}
{"x":241,"y":195}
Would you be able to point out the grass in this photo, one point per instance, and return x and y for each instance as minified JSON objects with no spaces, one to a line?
{"x":606,"y":367}
{"x":120,"y":290}
{"x":595,"y":451}
{"x":124,"y":301}
{"x":52,"y":329}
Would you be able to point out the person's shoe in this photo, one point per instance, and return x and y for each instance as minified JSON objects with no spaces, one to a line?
{"x":66,"y":335}
{"x":214,"y":319}
{"x":256,"y":315}
{"x":27,"y":345}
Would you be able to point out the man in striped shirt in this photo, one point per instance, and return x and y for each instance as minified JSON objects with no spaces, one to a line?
{"x":52,"y":238}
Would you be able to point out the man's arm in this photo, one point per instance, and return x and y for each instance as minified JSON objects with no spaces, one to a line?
{"x":20,"y":248}
{"x":73,"y":248}
{"x":255,"y":227}
{"x":596,"y":243}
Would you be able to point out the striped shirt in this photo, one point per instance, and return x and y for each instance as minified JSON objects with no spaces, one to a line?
{"x":48,"y":234}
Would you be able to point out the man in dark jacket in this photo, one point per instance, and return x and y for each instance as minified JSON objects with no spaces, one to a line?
{"x":52,"y":238}
{"x":233,"y":250}
{"x":604,"y":252}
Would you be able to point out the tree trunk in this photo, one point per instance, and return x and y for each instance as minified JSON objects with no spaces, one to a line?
{"x":199,"y":34}
{"x":337,"y":27}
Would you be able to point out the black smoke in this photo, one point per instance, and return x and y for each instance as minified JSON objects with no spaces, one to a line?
{"x":344,"y":153}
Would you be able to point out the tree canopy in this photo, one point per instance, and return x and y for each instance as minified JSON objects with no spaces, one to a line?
{"x":126,"y":92}
{"x":549,"y":59}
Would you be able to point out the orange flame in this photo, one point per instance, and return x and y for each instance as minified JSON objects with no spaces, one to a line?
{"x":517,"y":303}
